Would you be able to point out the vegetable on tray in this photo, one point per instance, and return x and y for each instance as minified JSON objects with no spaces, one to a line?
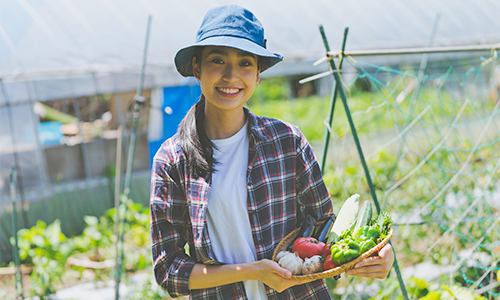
{"x":336,"y":241}
{"x":365,"y":215}
{"x":344,"y":251}
{"x":347,"y":215}
{"x":366,"y":237}
{"x":291,"y":262}
{"x":324,"y":229}
{"x":307,"y":247}
{"x":312,"y":265}
{"x":329,"y":264}
{"x":306,"y":230}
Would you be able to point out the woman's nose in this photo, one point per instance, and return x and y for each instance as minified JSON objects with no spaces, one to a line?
{"x":230,"y":73}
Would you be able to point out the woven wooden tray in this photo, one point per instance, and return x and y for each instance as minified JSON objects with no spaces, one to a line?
{"x":283,"y":244}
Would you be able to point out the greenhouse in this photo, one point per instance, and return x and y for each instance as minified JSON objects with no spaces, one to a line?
{"x":428,"y":122}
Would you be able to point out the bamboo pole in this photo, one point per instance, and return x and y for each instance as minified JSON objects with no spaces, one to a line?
{"x":118,"y":177}
{"x":52,"y":114}
{"x":83,"y":144}
{"x":360,"y":152}
{"x":332,"y":106}
{"x":15,"y":249}
{"x":404,"y":51}
{"x":138,"y":99}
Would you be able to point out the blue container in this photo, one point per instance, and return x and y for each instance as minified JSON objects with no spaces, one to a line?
{"x":49,"y":133}
{"x":177,"y":101}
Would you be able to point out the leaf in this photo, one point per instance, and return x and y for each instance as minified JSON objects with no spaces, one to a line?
{"x":420,"y":283}
{"x":39,"y":241}
{"x":387,"y":291}
{"x":91,"y":220}
{"x":41,"y":224}
{"x":458,"y":292}
{"x":93,"y":233}
{"x":433,"y":295}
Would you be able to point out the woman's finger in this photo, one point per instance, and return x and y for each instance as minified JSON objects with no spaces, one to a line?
{"x":369,"y":261}
{"x":386,"y":251}
{"x":277,"y":269}
{"x":368,"y":273}
{"x":375,"y":267}
{"x":285,"y":273}
{"x":372,"y":267}
{"x":385,"y":256}
{"x":375,"y":271}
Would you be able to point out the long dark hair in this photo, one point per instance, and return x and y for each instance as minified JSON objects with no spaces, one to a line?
{"x":195,"y":143}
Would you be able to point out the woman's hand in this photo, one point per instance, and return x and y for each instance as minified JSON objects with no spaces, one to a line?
{"x":268,"y":271}
{"x":375,"y":267}
{"x":276,"y":277}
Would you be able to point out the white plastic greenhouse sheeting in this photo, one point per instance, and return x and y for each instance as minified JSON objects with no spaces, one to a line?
{"x":60,"y":48}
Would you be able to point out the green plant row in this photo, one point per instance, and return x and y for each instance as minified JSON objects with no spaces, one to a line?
{"x":47,"y":249}
{"x":418,"y":288}
{"x":376,"y":112}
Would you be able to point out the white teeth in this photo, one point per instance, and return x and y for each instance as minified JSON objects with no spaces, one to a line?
{"x":228,"y":90}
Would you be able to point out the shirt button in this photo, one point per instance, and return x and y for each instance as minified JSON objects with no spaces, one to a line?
{"x":259,"y":241}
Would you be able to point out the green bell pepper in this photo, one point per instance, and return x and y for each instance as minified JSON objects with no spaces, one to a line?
{"x":365,"y":233}
{"x":344,"y":251}
{"x":366,"y":245}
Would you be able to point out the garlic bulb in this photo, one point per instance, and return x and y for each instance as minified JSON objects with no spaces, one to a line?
{"x":280,"y":255}
{"x":312,"y":265}
{"x":292,"y":262}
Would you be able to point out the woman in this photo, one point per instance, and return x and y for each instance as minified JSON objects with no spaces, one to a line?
{"x":231,"y":184}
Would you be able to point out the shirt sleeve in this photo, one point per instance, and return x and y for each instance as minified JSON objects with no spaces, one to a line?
{"x":169,"y":228}
{"x":311,"y":189}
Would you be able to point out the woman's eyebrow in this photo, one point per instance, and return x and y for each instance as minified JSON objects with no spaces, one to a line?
{"x":218,"y":51}
{"x":246,"y":54}
{"x":224,"y":53}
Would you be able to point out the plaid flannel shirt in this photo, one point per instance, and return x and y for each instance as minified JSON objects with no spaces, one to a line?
{"x":283,"y":177}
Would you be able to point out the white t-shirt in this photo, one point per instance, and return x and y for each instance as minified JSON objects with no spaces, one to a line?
{"x":227,"y":213}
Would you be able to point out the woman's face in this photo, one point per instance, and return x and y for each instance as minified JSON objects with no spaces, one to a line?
{"x":227,"y":76}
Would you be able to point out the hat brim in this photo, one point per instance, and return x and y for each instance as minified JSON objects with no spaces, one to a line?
{"x":184,"y":57}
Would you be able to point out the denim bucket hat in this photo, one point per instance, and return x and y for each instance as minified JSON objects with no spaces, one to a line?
{"x":228,"y":26}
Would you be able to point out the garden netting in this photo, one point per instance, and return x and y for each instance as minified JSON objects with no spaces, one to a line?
{"x":432,"y":144}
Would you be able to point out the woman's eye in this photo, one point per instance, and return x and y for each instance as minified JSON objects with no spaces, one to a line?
{"x":246,"y":64}
{"x":218,"y":61}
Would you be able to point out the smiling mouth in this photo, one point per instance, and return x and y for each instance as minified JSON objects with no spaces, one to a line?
{"x":228,"y":90}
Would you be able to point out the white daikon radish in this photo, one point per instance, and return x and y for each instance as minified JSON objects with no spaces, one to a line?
{"x":347,"y":215}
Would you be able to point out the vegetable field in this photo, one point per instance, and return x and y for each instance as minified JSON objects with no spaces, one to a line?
{"x":432,"y":146}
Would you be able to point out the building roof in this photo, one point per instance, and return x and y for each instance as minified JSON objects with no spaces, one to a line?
{"x":60,"y":48}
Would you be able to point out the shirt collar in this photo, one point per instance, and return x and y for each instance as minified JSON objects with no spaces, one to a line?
{"x":256,"y":127}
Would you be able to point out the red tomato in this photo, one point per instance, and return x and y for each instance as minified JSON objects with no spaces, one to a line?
{"x":300,"y":240}
{"x":329,"y":264}
{"x":307,"y":247}
{"x":327,"y":249}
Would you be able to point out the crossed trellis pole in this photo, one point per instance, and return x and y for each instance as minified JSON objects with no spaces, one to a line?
{"x":338,"y":90}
